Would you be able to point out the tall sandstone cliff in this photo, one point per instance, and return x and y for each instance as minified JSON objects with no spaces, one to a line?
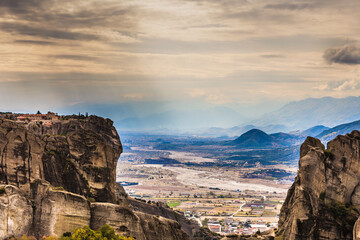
{"x":59,"y":177}
{"x":324,"y":200}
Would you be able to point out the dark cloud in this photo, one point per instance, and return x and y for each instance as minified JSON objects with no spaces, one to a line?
{"x":34,"y":42}
{"x":260,"y":16}
{"x":289,"y":6}
{"x":215,"y":25}
{"x":347,"y":54}
{"x":26,"y":30}
{"x":22,"y":6}
{"x":68,"y":13}
{"x":74,"y":57}
{"x":272,"y":56}
{"x":66,"y":19}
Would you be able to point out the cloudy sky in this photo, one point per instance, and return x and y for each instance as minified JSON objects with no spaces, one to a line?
{"x":58,"y":53}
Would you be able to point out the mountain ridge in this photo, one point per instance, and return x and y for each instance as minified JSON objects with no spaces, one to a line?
{"x":309,"y":112}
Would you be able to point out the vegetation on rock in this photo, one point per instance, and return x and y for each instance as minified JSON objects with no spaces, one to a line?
{"x":85,"y":233}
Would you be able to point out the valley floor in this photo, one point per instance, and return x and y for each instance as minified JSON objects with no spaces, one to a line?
{"x":229,"y":199}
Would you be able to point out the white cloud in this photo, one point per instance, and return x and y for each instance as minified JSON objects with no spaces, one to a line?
{"x":348,"y":85}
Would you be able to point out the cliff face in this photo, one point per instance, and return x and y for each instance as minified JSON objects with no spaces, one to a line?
{"x":80,"y":156}
{"x":59,"y":177}
{"x":21,"y":152}
{"x":324,"y":200}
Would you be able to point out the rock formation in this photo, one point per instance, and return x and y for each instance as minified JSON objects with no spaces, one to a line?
{"x":54,"y":178}
{"x":80,"y":156}
{"x":324,"y":200}
{"x":16,"y":212}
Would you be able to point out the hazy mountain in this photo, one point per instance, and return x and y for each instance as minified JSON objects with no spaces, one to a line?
{"x":307,"y":113}
{"x":219,"y":120}
{"x":161,"y":115}
{"x":256,"y":138}
{"x":183,"y":119}
{"x":314,"y":131}
{"x":230,"y":132}
{"x":239,"y":130}
{"x":342,"y":129}
{"x":285,"y":139}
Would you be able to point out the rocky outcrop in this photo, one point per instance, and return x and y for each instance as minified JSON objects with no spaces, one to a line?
{"x":16,"y":212}
{"x":122,"y":219}
{"x":83,"y":154}
{"x":158,"y":209}
{"x":324,"y":200}
{"x":160,"y":228}
{"x":58,"y":211}
{"x":21,"y":155}
{"x":62,"y":176}
{"x":80,"y":156}
{"x":139,"y":225}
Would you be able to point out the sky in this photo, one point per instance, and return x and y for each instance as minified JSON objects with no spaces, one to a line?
{"x":245,"y":54}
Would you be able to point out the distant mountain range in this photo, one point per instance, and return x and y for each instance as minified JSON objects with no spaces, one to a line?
{"x":217,"y":120}
{"x":257,"y":139}
{"x":238,"y":130}
{"x":314,"y":131}
{"x":342,"y":129}
{"x":162,"y":116}
{"x":304,"y":114}
{"x":295,"y":117}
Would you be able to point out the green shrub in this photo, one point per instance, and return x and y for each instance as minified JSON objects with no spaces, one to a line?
{"x":345,"y":214}
{"x":60,"y":188}
{"x":2,"y":190}
{"x":322,"y":195}
{"x":85,"y":233}
{"x":104,"y":233}
{"x":281,"y":237}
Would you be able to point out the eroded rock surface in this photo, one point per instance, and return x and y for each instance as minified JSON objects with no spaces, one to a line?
{"x":21,"y":152}
{"x":16,"y":212}
{"x":122,"y":219}
{"x":58,"y":211}
{"x":80,"y":156}
{"x":160,"y":228}
{"x":83,"y":155}
{"x":188,"y":226}
{"x":324,"y":200}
